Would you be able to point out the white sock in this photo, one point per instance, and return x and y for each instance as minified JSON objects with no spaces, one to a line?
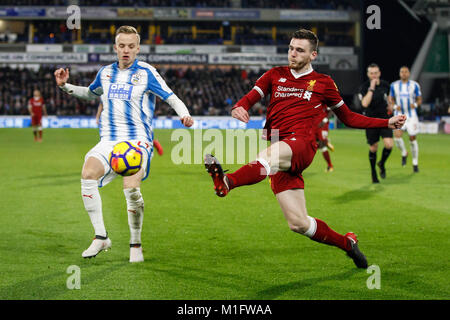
{"x":401,"y":145}
{"x":93,"y":205}
{"x":135,"y":210}
{"x":415,"y":152}
{"x":312,"y":227}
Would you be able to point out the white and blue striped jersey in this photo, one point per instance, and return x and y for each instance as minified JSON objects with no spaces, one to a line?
{"x":128,"y":97}
{"x":404,"y":95}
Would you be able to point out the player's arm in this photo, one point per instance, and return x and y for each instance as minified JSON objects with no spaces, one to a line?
{"x":30,"y":109}
{"x":181,"y":110}
{"x":44,"y":110}
{"x":418,"y":95}
{"x":353,"y":119}
{"x":240,"y":109}
{"x":391,"y":99}
{"x":61,"y":77}
{"x":417,"y":103}
{"x":356,"y":120}
{"x":158,"y":86}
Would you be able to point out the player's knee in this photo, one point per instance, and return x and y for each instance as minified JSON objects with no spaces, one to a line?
{"x":89,"y":174}
{"x":133,"y":197}
{"x":299,"y":226}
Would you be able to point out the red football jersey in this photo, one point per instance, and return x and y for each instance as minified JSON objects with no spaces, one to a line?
{"x":36,"y":106}
{"x":296,"y":102}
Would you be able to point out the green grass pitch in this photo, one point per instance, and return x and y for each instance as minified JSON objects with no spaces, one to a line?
{"x":199,"y":246}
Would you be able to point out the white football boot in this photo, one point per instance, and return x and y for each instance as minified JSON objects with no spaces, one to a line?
{"x":96,"y":246}
{"x":136,"y":254}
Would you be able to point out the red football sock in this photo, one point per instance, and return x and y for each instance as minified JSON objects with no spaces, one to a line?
{"x":324,"y":234}
{"x":40,"y":134}
{"x":326,"y":155}
{"x":251,"y":173}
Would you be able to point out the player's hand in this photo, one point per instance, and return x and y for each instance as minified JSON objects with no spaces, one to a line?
{"x":187,"y":121}
{"x":61,"y":76}
{"x":397,"y":122}
{"x":241,"y":114}
{"x":373,"y":83}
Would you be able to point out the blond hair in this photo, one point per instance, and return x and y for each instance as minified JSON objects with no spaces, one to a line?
{"x":128,"y":30}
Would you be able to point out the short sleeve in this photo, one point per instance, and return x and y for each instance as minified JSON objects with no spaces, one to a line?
{"x":392,"y":91}
{"x":332,"y":96}
{"x":417,"y":91}
{"x":157,"y":85}
{"x":264,"y":84}
{"x":96,"y":86}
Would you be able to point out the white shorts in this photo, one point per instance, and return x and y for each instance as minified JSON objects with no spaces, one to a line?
{"x":102,"y":151}
{"x":411,"y":126}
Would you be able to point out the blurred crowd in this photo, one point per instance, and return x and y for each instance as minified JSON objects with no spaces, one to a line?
{"x":55,"y":32}
{"x":205,"y":91}
{"x":286,"y":4}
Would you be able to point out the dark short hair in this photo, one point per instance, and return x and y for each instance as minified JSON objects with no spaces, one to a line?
{"x":404,"y":67}
{"x":373,"y":65}
{"x":308,"y":35}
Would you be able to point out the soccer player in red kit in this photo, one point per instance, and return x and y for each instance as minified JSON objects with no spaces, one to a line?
{"x":36,"y":108}
{"x":297,"y":96}
{"x":322,"y":138}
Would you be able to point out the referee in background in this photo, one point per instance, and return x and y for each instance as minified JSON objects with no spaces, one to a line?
{"x":373,"y":95}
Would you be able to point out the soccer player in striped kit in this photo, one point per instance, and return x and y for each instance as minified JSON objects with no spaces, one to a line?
{"x":405,"y":97}
{"x":128,"y":90}
{"x":297,"y":96}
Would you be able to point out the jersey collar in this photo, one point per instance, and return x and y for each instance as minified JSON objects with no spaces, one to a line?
{"x":133,"y":66}
{"x":298,"y":75}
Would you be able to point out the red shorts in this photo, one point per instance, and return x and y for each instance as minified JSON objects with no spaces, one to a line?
{"x":36,"y":120}
{"x":303,"y":152}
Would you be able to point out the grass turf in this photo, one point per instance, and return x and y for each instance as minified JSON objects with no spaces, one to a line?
{"x":199,"y":246}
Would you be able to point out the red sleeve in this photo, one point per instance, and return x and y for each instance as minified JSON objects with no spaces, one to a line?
{"x":248,"y":100}
{"x":261,"y":89}
{"x":264,"y":84}
{"x":331,"y":94}
{"x":356,"y":120}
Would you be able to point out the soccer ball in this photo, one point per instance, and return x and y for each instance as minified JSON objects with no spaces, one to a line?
{"x":125,"y":158}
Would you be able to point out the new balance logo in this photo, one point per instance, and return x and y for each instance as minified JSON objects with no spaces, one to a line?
{"x":282,"y":80}
{"x":88,"y":195}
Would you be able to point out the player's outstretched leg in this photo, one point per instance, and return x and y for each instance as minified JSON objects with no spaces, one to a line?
{"x":248,"y":174}
{"x":293,"y":205}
